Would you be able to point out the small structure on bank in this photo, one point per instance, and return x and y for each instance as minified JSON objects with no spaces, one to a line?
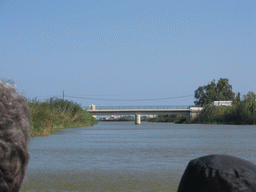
{"x":92,"y":107}
{"x":194,"y":111}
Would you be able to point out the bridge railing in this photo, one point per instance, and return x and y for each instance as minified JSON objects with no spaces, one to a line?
{"x":141,"y":107}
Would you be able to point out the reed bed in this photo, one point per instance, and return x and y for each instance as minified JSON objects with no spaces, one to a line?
{"x":53,"y":114}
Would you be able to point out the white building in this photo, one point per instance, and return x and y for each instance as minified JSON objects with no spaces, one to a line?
{"x":222,"y":103}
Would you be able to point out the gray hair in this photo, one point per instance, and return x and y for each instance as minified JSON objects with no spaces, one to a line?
{"x":14,"y":138}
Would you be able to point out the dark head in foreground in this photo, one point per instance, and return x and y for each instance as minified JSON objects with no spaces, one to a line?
{"x":219,"y":173}
{"x":14,"y":138}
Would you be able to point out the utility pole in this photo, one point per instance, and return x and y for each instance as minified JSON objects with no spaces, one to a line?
{"x":63,"y":95}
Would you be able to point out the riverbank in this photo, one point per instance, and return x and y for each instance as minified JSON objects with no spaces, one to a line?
{"x":241,"y":113}
{"x":47,"y":117}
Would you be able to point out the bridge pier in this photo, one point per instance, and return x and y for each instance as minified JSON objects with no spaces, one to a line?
{"x":137,"y":119}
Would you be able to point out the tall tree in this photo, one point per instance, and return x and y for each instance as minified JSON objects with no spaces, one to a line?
{"x":222,"y":91}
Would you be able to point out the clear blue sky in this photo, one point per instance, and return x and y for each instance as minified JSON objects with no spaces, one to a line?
{"x":127,"y":49}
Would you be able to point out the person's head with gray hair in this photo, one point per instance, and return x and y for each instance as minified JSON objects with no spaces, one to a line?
{"x":14,"y":138}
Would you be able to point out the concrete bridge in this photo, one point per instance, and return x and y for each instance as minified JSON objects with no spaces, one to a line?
{"x":190,"y":112}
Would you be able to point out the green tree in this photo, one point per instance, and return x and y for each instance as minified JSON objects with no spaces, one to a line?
{"x":222,"y":91}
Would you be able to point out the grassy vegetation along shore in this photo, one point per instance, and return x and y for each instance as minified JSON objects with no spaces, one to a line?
{"x":47,"y":117}
{"x":238,"y":114}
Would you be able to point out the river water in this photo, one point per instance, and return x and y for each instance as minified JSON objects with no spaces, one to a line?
{"x":122,"y":156}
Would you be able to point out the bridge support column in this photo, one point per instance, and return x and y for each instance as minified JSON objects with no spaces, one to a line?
{"x":137,"y":119}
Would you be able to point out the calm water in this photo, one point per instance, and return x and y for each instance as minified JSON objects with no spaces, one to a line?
{"x":122,"y":156}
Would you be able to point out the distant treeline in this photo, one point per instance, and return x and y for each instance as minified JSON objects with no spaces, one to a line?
{"x":124,"y":118}
{"x":167,"y":118}
{"x":159,"y":118}
{"x":53,"y":114}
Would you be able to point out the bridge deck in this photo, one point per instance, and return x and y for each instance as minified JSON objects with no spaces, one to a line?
{"x":140,"y":107}
{"x":139,"y":111}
